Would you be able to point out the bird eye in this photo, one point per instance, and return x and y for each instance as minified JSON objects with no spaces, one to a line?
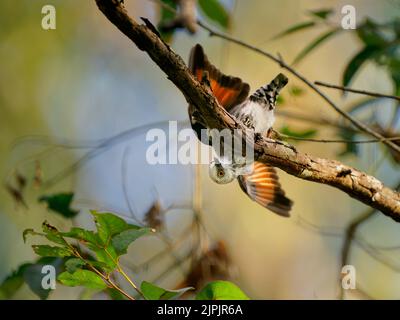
{"x":221,"y":173}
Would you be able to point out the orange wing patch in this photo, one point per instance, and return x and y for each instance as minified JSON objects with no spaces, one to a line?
{"x":229,"y":91}
{"x":263,"y":187}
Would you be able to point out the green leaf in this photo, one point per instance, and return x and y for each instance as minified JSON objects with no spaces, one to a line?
{"x":99,"y":265}
{"x":395,"y":24}
{"x":280,"y":100}
{"x":153,"y":292}
{"x":296,"y":91}
{"x":295,"y":28}
{"x":60,"y":203}
{"x":30,"y":232}
{"x":33,"y":275}
{"x":322,"y":14}
{"x":221,"y":290}
{"x":356,"y":62}
{"x":122,"y":240}
{"x":165,"y":17}
{"x":108,"y":257}
{"x":115,"y":294}
{"x":369,"y":32}
{"x":314,"y":44}
{"x":12,"y":283}
{"x":215,"y":11}
{"x":305,"y":134}
{"x":73,"y":264}
{"x":108,"y":225}
{"x":53,"y":234}
{"x":84,"y":278}
{"x":86,"y":236}
{"x":49,"y":251}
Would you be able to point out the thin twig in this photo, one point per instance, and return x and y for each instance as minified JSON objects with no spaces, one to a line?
{"x":363,"y":92}
{"x":159,"y":255}
{"x":337,"y":140}
{"x":350,"y":233}
{"x":313,"y":120}
{"x":106,"y":278}
{"x":122,"y":272}
{"x":101,"y":147}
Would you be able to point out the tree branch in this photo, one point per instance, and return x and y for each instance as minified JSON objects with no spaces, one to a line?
{"x":355,"y":183}
{"x":279,"y":60}
{"x":363,"y":92}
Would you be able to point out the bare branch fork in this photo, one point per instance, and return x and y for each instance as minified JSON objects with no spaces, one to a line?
{"x":355,"y":183}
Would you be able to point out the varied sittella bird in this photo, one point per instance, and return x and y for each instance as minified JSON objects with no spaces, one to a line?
{"x":257,"y":113}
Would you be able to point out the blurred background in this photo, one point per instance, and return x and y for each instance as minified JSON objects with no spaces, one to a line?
{"x":65,"y":91}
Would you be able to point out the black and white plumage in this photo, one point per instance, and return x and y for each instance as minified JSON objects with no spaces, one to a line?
{"x":257,"y":112}
{"x":260,"y":182}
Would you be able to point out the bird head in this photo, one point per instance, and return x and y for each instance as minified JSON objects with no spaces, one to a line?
{"x":219,"y":174}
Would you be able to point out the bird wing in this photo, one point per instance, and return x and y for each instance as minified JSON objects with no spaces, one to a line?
{"x":229,"y":91}
{"x":263,"y":187}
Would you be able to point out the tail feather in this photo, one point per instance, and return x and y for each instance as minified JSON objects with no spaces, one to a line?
{"x":263,"y":187}
{"x":269,"y":93}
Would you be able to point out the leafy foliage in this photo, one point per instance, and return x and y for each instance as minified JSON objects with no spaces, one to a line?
{"x":111,"y":230}
{"x":212,"y":9}
{"x":73,"y":264}
{"x":215,"y":11}
{"x":356,"y":62}
{"x":221,"y":290}
{"x":306,"y":134}
{"x":165,"y":17}
{"x":297,"y":27}
{"x":322,"y":14}
{"x":379,"y":44}
{"x":51,"y":251}
{"x":153,"y":292}
{"x":314,"y":44}
{"x":29,"y":273}
{"x":60,"y":203}
{"x":296,"y":91}
{"x":122,"y":241}
{"x":111,"y":240}
{"x":13,"y":282}
{"x":350,"y":135}
{"x":33,"y":275}
{"x":82,"y":277}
